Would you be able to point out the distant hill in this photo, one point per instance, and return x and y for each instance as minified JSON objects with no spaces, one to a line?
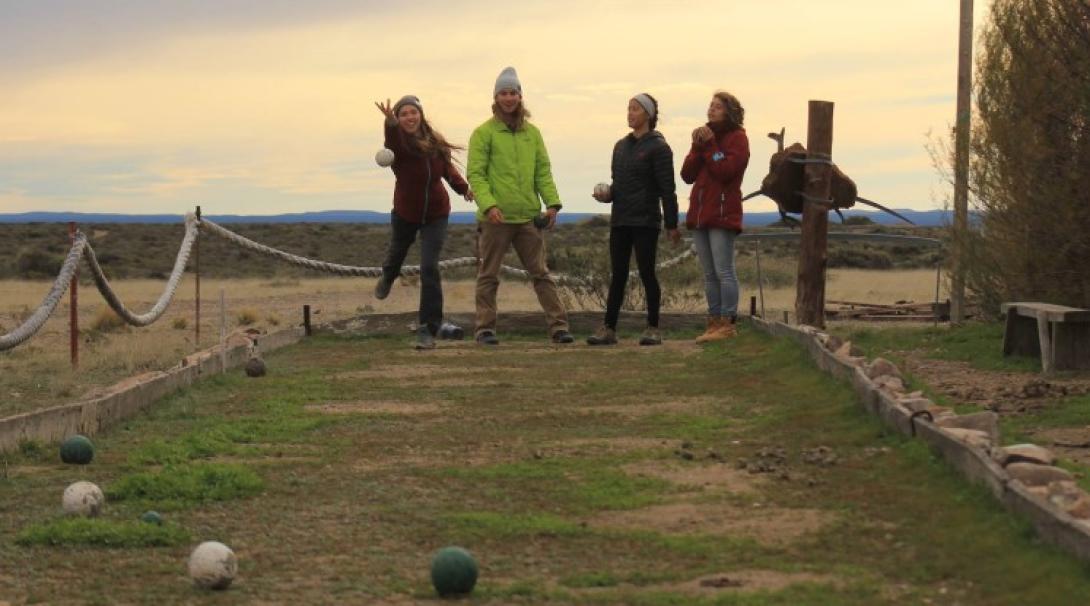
{"x":926,"y":218}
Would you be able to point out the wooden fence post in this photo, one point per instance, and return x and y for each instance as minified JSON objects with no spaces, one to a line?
{"x":813,"y":253}
{"x":197,"y":271}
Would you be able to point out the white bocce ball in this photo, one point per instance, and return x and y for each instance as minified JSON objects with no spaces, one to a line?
{"x":212,"y":565}
{"x":83,"y":499}
{"x":384,"y":157}
{"x":602,"y":190}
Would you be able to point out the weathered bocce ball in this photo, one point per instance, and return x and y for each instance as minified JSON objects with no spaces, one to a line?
{"x":77,"y":450}
{"x":453,"y":571}
{"x":384,"y":157}
{"x":255,"y":367}
{"x":83,"y":499}
{"x":602,"y":190}
{"x":152,"y":517}
{"x":212,"y":565}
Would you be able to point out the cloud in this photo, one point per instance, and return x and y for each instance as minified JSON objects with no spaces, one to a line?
{"x":172,"y":102}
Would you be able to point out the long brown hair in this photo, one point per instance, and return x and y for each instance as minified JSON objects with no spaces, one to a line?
{"x":735,"y":113}
{"x":521,"y":114}
{"x":428,"y":142}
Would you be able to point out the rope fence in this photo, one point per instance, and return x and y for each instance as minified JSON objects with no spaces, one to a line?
{"x":81,"y":248}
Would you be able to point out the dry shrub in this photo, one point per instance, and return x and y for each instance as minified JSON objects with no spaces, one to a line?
{"x":247,"y":316}
{"x":179,"y":324}
{"x":107,"y":320}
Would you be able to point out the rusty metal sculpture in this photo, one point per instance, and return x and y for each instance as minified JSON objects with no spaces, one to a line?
{"x":784,"y":183}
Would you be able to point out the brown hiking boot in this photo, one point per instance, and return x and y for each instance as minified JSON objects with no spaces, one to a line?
{"x":713,"y":325}
{"x":603,"y":336}
{"x":651,"y":336}
{"x":724,"y":331}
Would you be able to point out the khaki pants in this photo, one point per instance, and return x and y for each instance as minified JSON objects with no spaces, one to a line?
{"x":493,"y":241}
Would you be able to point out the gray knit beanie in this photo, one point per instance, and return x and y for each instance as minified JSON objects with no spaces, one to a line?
{"x":647,"y":104}
{"x":507,"y":80}
{"x":408,"y":100}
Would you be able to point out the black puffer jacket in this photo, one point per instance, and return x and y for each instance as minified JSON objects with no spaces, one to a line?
{"x":643,"y":175}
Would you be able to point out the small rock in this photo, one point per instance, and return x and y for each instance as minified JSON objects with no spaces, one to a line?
{"x":1036,"y":388}
{"x":1023,"y":453}
{"x":882,"y":367}
{"x":988,"y":422}
{"x":1037,"y":475}
{"x":915,"y":404}
{"x":1070,"y":498}
{"x":847,"y":350}
{"x":971,"y":437}
{"x":890,"y":383}
{"x":833,"y":343}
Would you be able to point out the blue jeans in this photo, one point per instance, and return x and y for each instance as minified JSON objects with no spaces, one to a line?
{"x":715,"y":247}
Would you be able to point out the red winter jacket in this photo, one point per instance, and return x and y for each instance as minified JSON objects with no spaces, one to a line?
{"x":419,"y":195}
{"x":715,"y":170}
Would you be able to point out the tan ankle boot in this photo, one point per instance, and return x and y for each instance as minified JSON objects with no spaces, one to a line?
{"x":725,"y":330}
{"x":713,"y":326}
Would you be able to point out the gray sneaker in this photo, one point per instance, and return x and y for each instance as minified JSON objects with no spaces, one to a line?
{"x":487,"y":337}
{"x":382,"y":288}
{"x":603,"y":336}
{"x":651,"y":336}
{"x":424,"y":339}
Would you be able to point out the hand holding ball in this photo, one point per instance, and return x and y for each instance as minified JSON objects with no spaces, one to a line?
{"x":603,"y":192}
{"x":384,"y":157}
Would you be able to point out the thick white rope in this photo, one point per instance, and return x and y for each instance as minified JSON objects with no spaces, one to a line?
{"x":34,"y":323}
{"x":168,"y":293}
{"x":80,"y":246}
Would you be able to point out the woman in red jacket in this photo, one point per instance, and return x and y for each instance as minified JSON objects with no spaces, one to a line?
{"x":714,"y":167}
{"x":422,"y":159}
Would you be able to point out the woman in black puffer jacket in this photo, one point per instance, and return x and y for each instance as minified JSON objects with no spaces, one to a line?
{"x":644,"y":199}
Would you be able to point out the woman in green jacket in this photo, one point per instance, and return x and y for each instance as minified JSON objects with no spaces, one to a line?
{"x":510,"y":174}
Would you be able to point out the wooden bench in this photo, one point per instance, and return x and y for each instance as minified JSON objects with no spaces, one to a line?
{"x":1059,"y":335}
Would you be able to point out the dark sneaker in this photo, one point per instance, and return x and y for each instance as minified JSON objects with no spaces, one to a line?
{"x":424,"y":339}
{"x":487,"y":338}
{"x":382,"y":288}
{"x":603,"y":336}
{"x":651,"y":336}
{"x":449,"y":330}
{"x":563,"y":336}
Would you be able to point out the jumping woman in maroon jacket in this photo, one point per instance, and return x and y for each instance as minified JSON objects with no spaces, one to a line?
{"x":422,"y":159}
{"x":714,"y":167}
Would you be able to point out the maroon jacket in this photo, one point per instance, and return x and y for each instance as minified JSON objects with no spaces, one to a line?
{"x":419,"y":195}
{"x":715,"y":170}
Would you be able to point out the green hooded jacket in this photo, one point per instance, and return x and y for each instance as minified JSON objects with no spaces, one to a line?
{"x":511,"y":171}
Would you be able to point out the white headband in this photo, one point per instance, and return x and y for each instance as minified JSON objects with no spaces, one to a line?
{"x":647,"y":104}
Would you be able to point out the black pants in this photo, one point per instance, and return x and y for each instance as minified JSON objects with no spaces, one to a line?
{"x":432,"y":236}
{"x":622,"y":241}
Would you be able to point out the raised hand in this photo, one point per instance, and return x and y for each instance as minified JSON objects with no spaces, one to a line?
{"x":702,"y":134}
{"x":387,"y":110}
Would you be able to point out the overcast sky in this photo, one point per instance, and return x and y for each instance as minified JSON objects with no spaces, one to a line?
{"x":262,"y":107}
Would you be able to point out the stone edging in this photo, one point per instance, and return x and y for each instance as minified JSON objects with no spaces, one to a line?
{"x":134,"y":394}
{"x":1022,"y":477}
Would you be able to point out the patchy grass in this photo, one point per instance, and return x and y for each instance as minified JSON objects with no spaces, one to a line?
{"x":531,"y":478}
{"x":978,"y":343}
{"x":176,"y":485}
{"x":97,"y":532}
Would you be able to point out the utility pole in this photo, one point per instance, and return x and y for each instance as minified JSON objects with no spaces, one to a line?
{"x":961,"y":162}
